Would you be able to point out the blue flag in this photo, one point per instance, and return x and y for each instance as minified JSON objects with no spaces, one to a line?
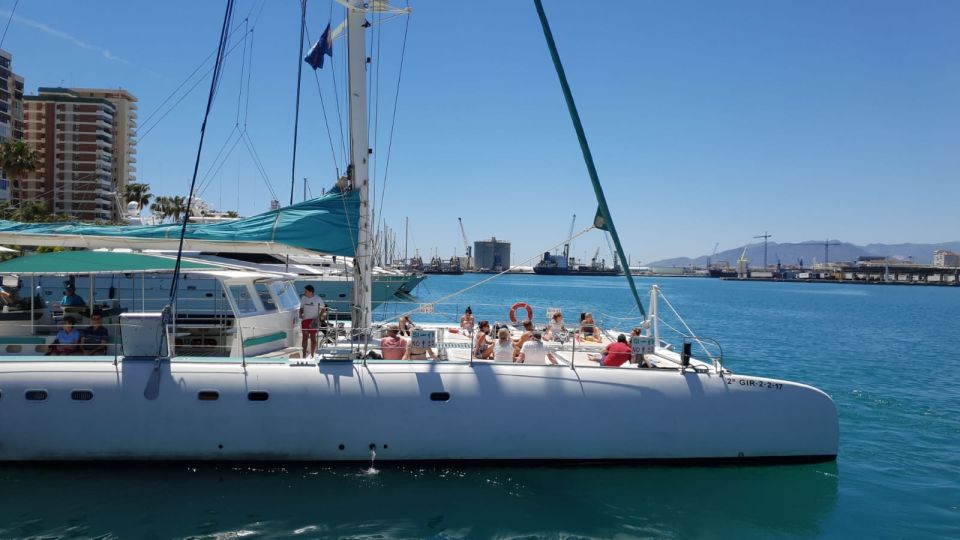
{"x":322,"y":47}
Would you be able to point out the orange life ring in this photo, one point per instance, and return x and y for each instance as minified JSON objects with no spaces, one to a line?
{"x":518,"y":305}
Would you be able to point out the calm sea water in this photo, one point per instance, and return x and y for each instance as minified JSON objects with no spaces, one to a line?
{"x":888,"y":355}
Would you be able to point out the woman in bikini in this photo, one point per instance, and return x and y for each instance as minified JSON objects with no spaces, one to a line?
{"x":483,"y":347}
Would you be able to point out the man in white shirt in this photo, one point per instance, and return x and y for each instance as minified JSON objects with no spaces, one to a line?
{"x":534,"y":352}
{"x":310,"y":305}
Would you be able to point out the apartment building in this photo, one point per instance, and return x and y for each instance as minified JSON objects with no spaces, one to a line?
{"x":946,"y":259}
{"x":86,"y":146}
{"x":11,"y":110}
{"x":124,"y":135}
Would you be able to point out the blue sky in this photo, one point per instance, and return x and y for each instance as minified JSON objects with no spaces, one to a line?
{"x":709,"y":121}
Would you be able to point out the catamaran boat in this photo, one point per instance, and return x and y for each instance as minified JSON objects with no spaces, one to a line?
{"x":155,"y":399}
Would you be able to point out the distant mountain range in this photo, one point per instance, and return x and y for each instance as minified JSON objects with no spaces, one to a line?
{"x":813,"y":251}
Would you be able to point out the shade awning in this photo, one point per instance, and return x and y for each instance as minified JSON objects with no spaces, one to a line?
{"x":96,"y":262}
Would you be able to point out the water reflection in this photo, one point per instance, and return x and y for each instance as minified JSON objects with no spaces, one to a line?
{"x":209,"y":501}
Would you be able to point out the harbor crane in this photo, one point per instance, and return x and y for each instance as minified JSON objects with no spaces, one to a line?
{"x":765,"y":235}
{"x":742,"y":264}
{"x":466,"y":246}
{"x":712,"y":255}
{"x":566,"y":245}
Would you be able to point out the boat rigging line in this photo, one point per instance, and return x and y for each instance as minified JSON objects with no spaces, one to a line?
{"x":326,"y":121}
{"x":393,"y":119}
{"x":214,"y":84}
{"x":296,"y":114}
{"x":603,"y":220}
{"x":189,"y":77}
{"x":9,"y":20}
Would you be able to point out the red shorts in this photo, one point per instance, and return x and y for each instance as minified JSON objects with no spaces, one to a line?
{"x":307,"y":325}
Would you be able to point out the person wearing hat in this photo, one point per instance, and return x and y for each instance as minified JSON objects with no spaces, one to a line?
{"x":71,"y":298}
{"x":393,"y":346}
{"x":310,"y":305}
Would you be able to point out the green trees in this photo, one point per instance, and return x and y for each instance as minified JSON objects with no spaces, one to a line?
{"x":171,"y":208}
{"x":17,"y":160}
{"x":139,"y":193}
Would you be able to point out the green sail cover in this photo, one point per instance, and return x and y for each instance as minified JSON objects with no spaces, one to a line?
{"x":326,"y":224}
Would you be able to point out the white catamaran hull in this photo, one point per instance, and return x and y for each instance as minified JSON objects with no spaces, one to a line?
{"x":339,"y":411}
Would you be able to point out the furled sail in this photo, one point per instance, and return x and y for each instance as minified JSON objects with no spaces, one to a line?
{"x":325,"y":224}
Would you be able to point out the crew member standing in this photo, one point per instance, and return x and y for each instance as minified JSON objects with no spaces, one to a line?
{"x":310,"y":305}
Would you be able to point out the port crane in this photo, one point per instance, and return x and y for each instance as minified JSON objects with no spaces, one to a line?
{"x":712,"y":255}
{"x":466,"y":246}
{"x":566,"y":245}
{"x":742,"y":264}
{"x":765,"y":235}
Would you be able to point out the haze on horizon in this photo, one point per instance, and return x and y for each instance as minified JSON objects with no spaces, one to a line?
{"x":709,"y":122}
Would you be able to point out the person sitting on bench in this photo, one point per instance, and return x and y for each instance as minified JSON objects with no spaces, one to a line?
{"x":68,"y":339}
{"x":95,"y":337}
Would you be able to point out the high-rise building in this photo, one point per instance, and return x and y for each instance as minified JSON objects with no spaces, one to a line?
{"x":124,"y":134}
{"x":11,"y":110}
{"x":86,"y":141}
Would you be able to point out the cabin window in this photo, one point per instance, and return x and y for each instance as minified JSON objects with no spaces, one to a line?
{"x":81,"y":395}
{"x":35,"y":395}
{"x":241,"y":296}
{"x":287,"y":294}
{"x":208,"y":395}
{"x":258,"y":396}
{"x":14,"y":348}
{"x":264,"y":293}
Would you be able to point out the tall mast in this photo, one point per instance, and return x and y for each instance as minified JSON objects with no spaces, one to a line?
{"x":360,"y":150}
{"x":359,"y":154}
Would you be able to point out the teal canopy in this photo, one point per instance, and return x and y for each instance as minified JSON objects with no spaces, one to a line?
{"x":327,"y":224}
{"x":95,"y":262}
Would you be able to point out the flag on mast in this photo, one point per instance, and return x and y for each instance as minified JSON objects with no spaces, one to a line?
{"x":324,"y":46}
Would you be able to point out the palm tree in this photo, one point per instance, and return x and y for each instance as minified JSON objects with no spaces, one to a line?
{"x":160,"y":207}
{"x":139,"y":193}
{"x":17,"y":159}
{"x":178,"y":207}
{"x":32,"y":212}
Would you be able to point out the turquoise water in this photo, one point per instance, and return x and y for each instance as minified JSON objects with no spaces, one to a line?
{"x":887,"y":355}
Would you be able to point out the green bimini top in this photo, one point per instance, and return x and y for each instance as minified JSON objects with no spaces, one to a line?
{"x":96,"y":262}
